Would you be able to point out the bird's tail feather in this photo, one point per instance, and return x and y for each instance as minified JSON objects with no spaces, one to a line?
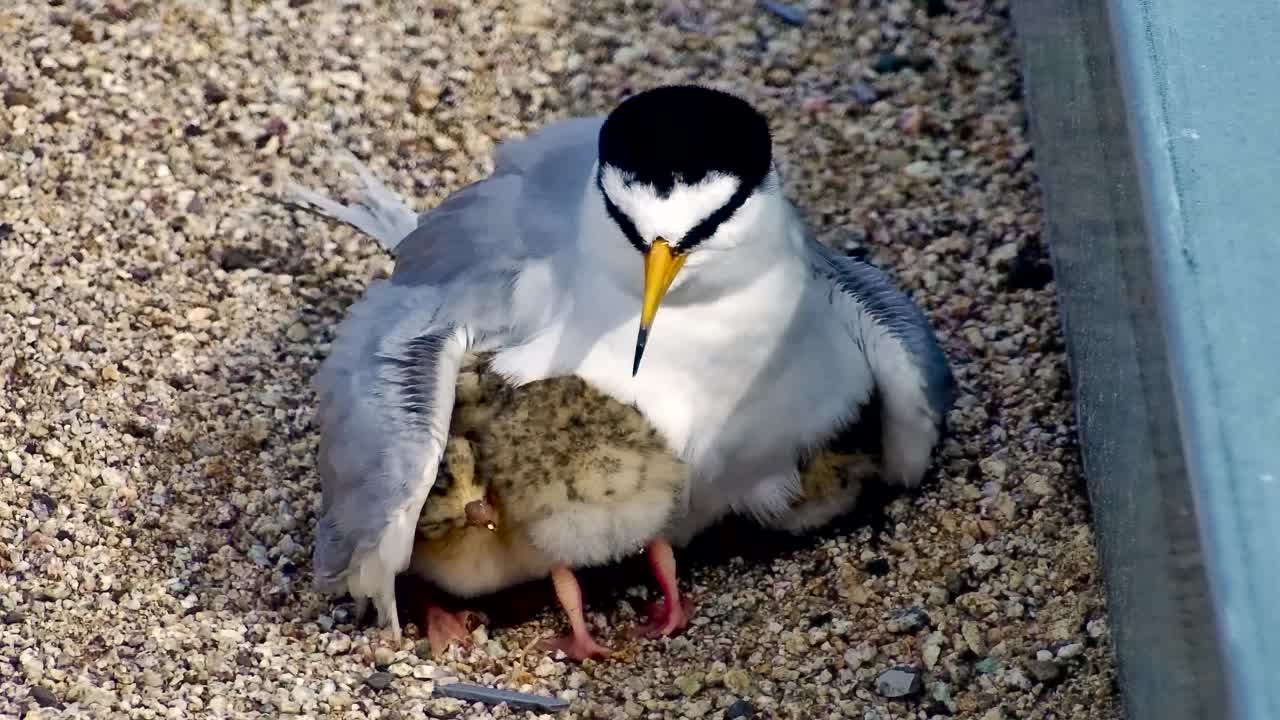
{"x":379,"y":212}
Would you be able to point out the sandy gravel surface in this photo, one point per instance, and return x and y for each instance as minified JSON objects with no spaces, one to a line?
{"x":160,"y":321}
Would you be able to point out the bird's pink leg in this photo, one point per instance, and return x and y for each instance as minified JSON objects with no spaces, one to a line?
{"x":579,"y":644}
{"x":670,"y":613}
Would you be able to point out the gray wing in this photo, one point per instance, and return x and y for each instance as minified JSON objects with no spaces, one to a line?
{"x":526,"y":209}
{"x":914,"y":385}
{"x":385,"y":393}
{"x":386,"y":390}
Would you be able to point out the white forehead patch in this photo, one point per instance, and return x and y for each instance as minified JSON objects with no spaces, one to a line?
{"x":668,"y":217}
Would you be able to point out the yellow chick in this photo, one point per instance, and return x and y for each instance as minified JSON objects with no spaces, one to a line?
{"x":830,"y":484}
{"x":538,"y":480}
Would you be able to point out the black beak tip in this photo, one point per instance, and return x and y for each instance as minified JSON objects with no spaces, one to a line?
{"x":641,"y":340}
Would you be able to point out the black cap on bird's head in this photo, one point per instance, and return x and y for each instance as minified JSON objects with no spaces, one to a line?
{"x":673,"y":139}
{"x":683,"y":133}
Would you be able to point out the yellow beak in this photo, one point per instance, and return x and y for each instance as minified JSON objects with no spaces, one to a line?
{"x":661,"y":264}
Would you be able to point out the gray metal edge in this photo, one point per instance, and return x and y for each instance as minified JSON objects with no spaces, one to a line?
{"x":1202,"y":83}
{"x":1159,"y":604}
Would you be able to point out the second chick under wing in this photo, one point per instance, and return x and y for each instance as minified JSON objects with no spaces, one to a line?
{"x":567,"y":476}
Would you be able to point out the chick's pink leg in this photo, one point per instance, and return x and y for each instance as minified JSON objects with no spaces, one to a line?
{"x":579,"y":644}
{"x":672,"y":612}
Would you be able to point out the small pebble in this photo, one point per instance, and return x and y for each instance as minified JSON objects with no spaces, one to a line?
{"x":911,"y":121}
{"x":548,"y":668}
{"x":932,"y":649}
{"x":379,"y":680}
{"x":688,"y":685}
{"x":737,"y":681}
{"x":994,"y":468}
{"x":898,"y":682}
{"x":740,"y":709}
{"x":906,"y":621}
{"x":941,"y":692}
{"x":45,"y":697}
{"x":893,"y":158}
{"x":19,"y":98}
{"x":236,"y":259}
{"x":973,"y":637}
{"x":214,"y":93}
{"x":1070,"y":650}
{"x":922,"y":169}
{"x":856,"y":657}
{"x":1045,"y":671}
{"x":1038,"y":484}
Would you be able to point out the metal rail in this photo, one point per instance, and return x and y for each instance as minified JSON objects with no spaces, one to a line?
{"x":1157,"y":135}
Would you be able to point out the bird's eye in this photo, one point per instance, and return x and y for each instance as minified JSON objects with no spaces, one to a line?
{"x":620,"y":218}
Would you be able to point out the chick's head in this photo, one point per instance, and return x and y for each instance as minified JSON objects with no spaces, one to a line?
{"x":459,"y":498}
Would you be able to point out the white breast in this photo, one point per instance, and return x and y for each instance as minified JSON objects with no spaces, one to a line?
{"x":737,"y":386}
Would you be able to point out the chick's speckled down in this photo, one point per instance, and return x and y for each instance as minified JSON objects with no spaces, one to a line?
{"x":561,"y":442}
{"x":573,"y":476}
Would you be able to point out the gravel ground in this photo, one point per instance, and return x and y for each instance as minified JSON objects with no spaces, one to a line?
{"x":162,"y":319}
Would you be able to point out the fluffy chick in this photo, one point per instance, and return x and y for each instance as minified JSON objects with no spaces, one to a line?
{"x":540,"y":479}
{"x":830,"y":485}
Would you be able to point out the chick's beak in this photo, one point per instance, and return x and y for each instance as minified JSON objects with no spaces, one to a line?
{"x":480,"y":514}
{"x":661,"y":264}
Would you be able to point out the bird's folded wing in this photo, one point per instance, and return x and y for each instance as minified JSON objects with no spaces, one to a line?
{"x":385,"y":397}
{"x":913,"y":381}
{"x":386,"y":394}
{"x":386,"y":390}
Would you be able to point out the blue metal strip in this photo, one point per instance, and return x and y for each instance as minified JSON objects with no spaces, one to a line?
{"x":1202,"y":84}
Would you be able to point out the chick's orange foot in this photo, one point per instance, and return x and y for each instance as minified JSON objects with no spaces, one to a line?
{"x":445,"y":627}
{"x":666,"y":618}
{"x":576,"y":647}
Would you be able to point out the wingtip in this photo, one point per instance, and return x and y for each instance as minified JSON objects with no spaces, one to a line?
{"x":380,"y":212}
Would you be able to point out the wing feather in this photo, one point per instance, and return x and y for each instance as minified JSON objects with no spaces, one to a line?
{"x":385,"y":396}
{"x":914,"y":385}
